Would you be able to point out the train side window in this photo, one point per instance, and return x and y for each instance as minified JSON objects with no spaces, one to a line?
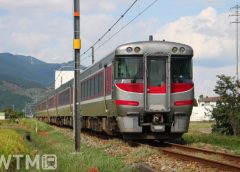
{"x":89,"y":88}
{"x":82,"y":90}
{"x":67,"y":97}
{"x":92,"y":87}
{"x":96,"y":85}
{"x":85,"y":92}
{"x":64,"y":97}
{"x":51,"y":103}
{"x":85,"y":89}
{"x":60,"y":99}
{"x":100,"y":83}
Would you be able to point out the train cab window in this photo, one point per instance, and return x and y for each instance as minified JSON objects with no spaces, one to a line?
{"x":129,"y":68}
{"x":156,"y":72}
{"x":181,"y":70}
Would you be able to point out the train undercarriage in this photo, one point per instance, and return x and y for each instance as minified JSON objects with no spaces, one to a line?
{"x":109,"y":126}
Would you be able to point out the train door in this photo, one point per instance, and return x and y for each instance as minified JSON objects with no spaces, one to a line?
{"x":107,"y":84}
{"x":157,"y":83}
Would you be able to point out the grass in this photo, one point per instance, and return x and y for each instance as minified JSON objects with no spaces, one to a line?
{"x":196,"y":134}
{"x":200,"y":127}
{"x":108,"y":157}
{"x":49,"y":141}
{"x":139,"y":155}
{"x":12,"y":143}
{"x":7,"y":122}
{"x":46,"y":140}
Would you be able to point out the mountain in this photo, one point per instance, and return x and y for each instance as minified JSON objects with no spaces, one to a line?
{"x":26,"y":71}
{"x":70,"y":66}
{"x":23,"y":79}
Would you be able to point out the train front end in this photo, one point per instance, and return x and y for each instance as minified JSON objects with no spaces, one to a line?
{"x":153,"y":89}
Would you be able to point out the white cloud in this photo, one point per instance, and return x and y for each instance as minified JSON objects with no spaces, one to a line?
{"x":213,"y":41}
{"x":35,"y":34}
{"x":31,"y":41}
{"x":205,"y":78}
{"x":33,"y":5}
{"x":43,"y":29}
{"x":95,"y":6}
{"x":139,"y":31}
{"x":92,"y":6}
{"x":209,"y":33}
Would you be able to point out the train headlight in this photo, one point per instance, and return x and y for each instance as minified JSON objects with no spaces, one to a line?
{"x":137,"y":49}
{"x":174,"y":49}
{"x":182,"y":50}
{"x":129,"y":49}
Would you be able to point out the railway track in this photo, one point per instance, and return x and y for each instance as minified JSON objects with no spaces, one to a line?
{"x":213,"y":159}
{"x":218,"y":160}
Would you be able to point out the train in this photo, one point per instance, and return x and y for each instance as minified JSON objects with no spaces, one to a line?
{"x":142,"y":90}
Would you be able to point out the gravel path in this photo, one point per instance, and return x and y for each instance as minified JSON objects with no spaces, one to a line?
{"x":139,"y":154}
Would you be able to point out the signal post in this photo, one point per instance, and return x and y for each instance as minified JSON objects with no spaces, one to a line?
{"x":77,"y":89}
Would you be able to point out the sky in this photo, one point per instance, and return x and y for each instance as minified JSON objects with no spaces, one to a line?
{"x":44,"y":29}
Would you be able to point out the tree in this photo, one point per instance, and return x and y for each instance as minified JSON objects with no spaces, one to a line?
{"x":201,"y":96}
{"x":195,"y":103}
{"x":10,"y":114}
{"x":227,"y":111}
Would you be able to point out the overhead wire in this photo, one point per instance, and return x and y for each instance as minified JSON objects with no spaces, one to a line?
{"x":139,"y":14}
{"x":98,"y":40}
{"x":133,"y":19}
{"x":83,"y":67}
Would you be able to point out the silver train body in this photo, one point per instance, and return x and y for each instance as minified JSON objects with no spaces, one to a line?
{"x":142,"y":90}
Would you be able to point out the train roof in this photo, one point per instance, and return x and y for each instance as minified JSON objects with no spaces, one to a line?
{"x":145,"y":47}
{"x":159,"y":47}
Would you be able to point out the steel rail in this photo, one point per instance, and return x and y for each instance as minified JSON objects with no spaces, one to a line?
{"x":205,"y":161}
{"x":211,"y":163}
{"x":225,"y":155}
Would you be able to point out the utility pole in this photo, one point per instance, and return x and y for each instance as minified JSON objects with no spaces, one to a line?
{"x":92,"y":55}
{"x":77,"y":47}
{"x":236,"y":14}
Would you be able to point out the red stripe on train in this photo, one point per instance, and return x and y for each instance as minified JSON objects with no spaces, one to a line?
{"x":131,"y":87}
{"x":181,"y":87}
{"x":138,"y":87}
{"x":183,"y":102}
{"x":126,"y":102}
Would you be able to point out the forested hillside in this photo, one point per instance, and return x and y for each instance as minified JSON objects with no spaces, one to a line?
{"x":23,"y":79}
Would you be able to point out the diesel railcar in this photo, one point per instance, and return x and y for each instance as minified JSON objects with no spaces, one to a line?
{"x":142,"y":90}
